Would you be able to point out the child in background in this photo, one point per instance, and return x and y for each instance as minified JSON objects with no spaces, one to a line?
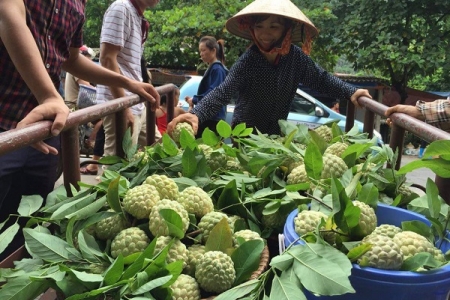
{"x":161,"y":112}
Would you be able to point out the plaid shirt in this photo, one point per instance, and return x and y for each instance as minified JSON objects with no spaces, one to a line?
{"x":436,"y":113}
{"x":55,"y":25}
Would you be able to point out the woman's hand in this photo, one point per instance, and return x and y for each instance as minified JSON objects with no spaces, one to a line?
{"x":188,"y":117}
{"x":359,"y":93}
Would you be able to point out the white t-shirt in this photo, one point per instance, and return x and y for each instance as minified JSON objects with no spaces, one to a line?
{"x":122,"y":27}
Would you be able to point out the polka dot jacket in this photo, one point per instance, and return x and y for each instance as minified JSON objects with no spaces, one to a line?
{"x":265,"y":91}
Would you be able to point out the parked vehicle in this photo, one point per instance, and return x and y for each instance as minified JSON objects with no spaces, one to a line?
{"x":305,"y":109}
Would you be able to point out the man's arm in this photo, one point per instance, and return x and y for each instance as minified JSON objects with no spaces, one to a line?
{"x":24,"y":53}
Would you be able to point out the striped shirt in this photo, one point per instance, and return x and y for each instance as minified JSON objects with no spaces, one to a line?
{"x":436,"y":113}
{"x":265,"y":91}
{"x":55,"y":26}
{"x":122,"y":27}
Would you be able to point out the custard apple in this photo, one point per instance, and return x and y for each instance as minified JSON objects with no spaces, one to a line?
{"x":129,"y":241}
{"x":307,"y":221}
{"x":195,"y":254}
{"x":324,"y":132}
{"x":275,"y":220}
{"x":233,"y":165}
{"x":177,"y":251}
{"x":336,"y":149}
{"x":157,"y":224}
{"x":215,"y":272}
{"x":108,"y":228}
{"x":196,"y":201}
{"x":185,"y":288}
{"x":207,"y":150}
{"x":247,"y":235}
{"x":367,"y":220}
{"x":167,"y":187}
{"x":298,"y":175}
{"x":438,"y":254}
{"x":411,"y":243}
{"x":176,"y":134}
{"x":333,"y":166}
{"x":387,"y":230}
{"x":138,"y":201}
{"x":208,"y":221}
{"x":384,"y":254}
{"x":216,"y":160}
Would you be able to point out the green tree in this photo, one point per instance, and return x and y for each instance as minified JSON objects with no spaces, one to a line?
{"x":401,"y":38}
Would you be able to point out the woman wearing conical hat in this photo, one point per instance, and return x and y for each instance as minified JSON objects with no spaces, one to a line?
{"x":267,"y":75}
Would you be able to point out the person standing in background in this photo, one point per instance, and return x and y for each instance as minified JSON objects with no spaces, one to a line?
{"x":212,"y":53}
{"x":124,"y":31}
{"x":39,"y":39}
{"x":335,"y":106}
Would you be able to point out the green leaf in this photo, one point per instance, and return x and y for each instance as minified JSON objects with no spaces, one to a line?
{"x":46,"y":246}
{"x":238,"y":129}
{"x":369,"y":194}
{"x":223,"y":129}
{"x":23,"y":287}
{"x":282,"y":262}
{"x":87,"y":277}
{"x":73,"y":206}
{"x":113,"y":273}
{"x":239,"y":291}
{"x":112,"y":195}
{"x":434,"y":204}
{"x":29,"y":205}
{"x":152,"y":284}
{"x":313,"y":161}
{"x":138,"y":263}
{"x":189,"y":163}
{"x":229,"y":200}
{"x":437,"y":148}
{"x":358,"y":251}
{"x":89,"y":247}
{"x":318,"y":141}
{"x":89,"y":209}
{"x":322,"y":269}
{"x":173,"y":222}
{"x":420,"y":260}
{"x":246,"y":259}
{"x":170,"y":147}
{"x":418,"y":227}
{"x":187,"y":140}
{"x":439,"y":166}
{"x":110,"y":160}
{"x":7,"y":236}
{"x":285,"y":290}
{"x":220,"y":238}
{"x":209,"y":137}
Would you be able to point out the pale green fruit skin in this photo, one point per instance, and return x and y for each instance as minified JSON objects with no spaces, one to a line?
{"x":139,"y":201}
{"x":298,"y":175}
{"x":177,"y":251}
{"x":166,"y":187}
{"x":196,"y":201}
{"x":333,"y":166}
{"x":233,"y":165}
{"x":129,"y":241}
{"x":108,"y":228}
{"x":217,"y":160}
{"x":157,"y":224}
{"x":275,"y":220}
{"x":411,"y":243}
{"x":384,"y":254}
{"x":185,"y":288}
{"x":367,"y":219}
{"x":307,"y":221}
{"x":247,"y":235}
{"x":438,"y":254}
{"x":195,"y":254}
{"x":336,"y":149}
{"x":324,"y":132}
{"x":215,"y":272}
{"x":205,"y":149}
{"x":387,"y":230}
{"x":176,"y":134}
{"x":208,"y":221}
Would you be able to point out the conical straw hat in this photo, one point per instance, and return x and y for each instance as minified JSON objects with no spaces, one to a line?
{"x":283,"y":8}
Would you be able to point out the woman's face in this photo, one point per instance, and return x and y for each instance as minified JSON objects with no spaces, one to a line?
{"x":269,"y":32}
{"x":206,"y":54}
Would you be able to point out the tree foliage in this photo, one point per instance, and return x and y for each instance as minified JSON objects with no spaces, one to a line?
{"x":402,"y":38}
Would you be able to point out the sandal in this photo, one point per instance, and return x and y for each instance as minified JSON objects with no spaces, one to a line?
{"x":86,"y":171}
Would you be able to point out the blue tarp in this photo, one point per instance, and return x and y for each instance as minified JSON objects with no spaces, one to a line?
{"x":444,"y":95}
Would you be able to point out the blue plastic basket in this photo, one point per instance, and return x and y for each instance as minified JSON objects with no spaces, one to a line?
{"x":375,"y":284}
